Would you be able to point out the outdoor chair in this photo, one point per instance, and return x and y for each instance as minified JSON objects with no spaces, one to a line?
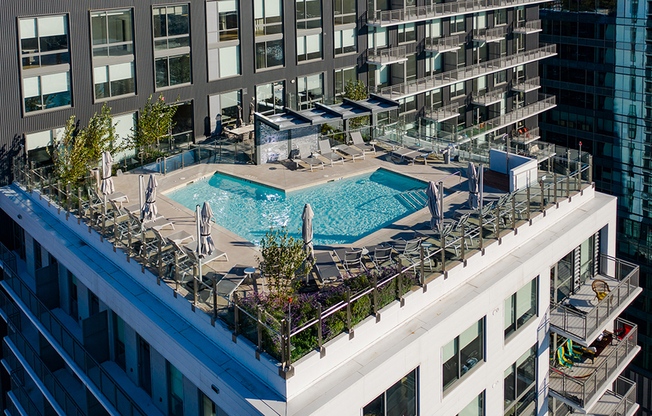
{"x":600,"y":288}
{"x":305,"y":156}
{"x":353,"y":152}
{"x":380,"y":254}
{"x":410,"y":154}
{"x":150,"y":248}
{"x":408,"y":250}
{"x":326,"y":267}
{"x":326,"y":151}
{"x":359,"y":142}
{"x":228,"y":284}
{"x":350,"y":259}
{"x":389,"y":142}
{"x":191,"y":249}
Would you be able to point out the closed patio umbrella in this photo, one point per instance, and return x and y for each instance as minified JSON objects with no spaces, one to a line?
{"x":206,"y":245}
{"x":472,"y":175}
{"x":306,"y":230}
{"x":433,"y":205}
{"x":106,"y":185}
{"x":149,"y":208}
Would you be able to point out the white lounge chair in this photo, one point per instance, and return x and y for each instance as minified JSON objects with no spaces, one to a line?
{"x":326,"y":151}
{"x":305,"y":156}
{"x":358,"y":142}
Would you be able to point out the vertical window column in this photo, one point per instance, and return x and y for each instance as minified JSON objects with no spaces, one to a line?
{"x":345,"y":32}
{"x":45,"y":62}
{"x":310,"y":90}
{"x":113,"y":53}
{"x":223,"y":33}
{"x":172,"y":45}
{"x":309,"y":45}
{"x":175,"y":391}
{"x":268,"y":26}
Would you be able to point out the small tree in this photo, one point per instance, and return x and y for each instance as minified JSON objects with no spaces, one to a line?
{"x":356,"y":90}
{"x":99,"y":136}
{"x":282,"y":257}
{"x":69,"y":154}
{"x":154,"y":123}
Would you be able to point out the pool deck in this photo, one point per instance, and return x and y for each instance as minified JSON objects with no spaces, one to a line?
{"x":285,"y":177}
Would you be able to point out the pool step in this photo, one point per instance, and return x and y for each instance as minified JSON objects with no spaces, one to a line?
{"x":416,"y":198}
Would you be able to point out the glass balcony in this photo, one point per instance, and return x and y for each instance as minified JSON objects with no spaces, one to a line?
{"x":444,"y":113}
{"x":525,"y":137}
{"x":436,"y":11}
{"x":386,"y":56}
{"x":527,"y":85}
{"x":441,"y":45}
{"x":495,"y":34}
{"x":526,"y":28}
{"x":490,"y":98}
{"x":581,"y":316}
{"x":432,"y":82}
{"x":483,"y":128}
{"x":583,"y":384}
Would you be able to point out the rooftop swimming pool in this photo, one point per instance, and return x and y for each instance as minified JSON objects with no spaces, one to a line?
{"x":345,"y":210}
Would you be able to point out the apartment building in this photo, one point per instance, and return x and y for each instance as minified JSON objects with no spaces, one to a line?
{"x":601,"y":81}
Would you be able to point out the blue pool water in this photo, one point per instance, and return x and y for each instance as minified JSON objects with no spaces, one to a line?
{"x":345,"y":210}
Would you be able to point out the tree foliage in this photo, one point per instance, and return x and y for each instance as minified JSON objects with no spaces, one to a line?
{"x":99,"y":136}
{"x":154,"y":123}
{"x":283,"y":257}
{"x":356,"y":90}
{"x":70,"y":155}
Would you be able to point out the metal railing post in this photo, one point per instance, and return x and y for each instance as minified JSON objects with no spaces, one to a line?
{"x":375,"y":296}
{"x":58,"y":196}
{"x":514,"y":212}
{"x":320,"y":340}
{"x":348,"y":312}
{"x":80,"y":212}
{"x":543,"y":205}
{"x":214,"y":317}
{"x":68,"y":200}
{"x":568,"y":182}
{"x":289,"y":342}
{"x":497,"y":224}
{"x":259,"y":333}
{"x":283,"y":349}
{"x":480,"y":235}
{"x":554,"y":178}
{"x":115,"y":230}
{"x":527,"y":193}
{"x":421,"y":275}
{"x":160,"y":262}
{"x":236,"y":317}
{"x":463,"y":245}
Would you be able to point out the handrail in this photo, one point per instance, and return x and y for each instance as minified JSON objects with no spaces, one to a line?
{"x":443,"y":79}
{"x":386,"y":55}
{"x":582,"y":390}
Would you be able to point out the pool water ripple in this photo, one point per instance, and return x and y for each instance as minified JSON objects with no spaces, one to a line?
{"x":345,"y":210}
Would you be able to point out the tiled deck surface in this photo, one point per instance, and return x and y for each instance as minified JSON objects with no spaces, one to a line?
{"x":280,"y":176}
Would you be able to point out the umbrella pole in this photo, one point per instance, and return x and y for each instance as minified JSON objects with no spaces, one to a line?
{"x":198,"y":243}
{"x":140,"y":195}
{"x":481,"y":186}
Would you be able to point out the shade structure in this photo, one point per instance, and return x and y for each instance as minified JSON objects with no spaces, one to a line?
{"x":206,"y":245}
{"x":433,"y":205}
{"x":106,"y":185}
{"x":149,"y":208}
{"x":472,"y":175}
{"x":306,"y":229}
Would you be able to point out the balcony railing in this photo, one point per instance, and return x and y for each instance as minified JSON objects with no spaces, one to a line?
{"x":386,"y":56}
{"x":495,"y":34}
{"x":441,"y":45}
{"x":109,"y":387}
{"x":432,"y":82}
{"x":483,"y":128}
{"x":526,"y":137}
{"x":621,"y":401}
{"x":526,"y":28}
{"x":436,"y":11}
{"x":490,"y":98}
{"x":581,"y":316}
{"x":444,"y":113}
{"x":581,"y":389}
{"x":527,"y":85}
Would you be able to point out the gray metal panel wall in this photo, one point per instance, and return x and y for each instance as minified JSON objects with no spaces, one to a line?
{"x":13,"y":124}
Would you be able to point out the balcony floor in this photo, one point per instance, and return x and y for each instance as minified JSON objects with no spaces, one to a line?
{"x":585,"y":301}
{"x":608,"y":404}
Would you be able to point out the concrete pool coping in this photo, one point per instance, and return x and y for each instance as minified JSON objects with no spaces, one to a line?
{"x":279,"y":176}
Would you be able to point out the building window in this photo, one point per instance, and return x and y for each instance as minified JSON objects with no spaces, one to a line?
{"x":268,"y":22}
{"x":458,"y":24}
{"x":520,"y":385}
{"x":113,"y":53}
{"x":500,"y":77}
{"x":521,"y":307}
{"x":407,"y":104}
{"x":19,"y":239}
{"x":270,"y":98}
{"x":45,"y":61}
{"x":433,"y":29}
{"x":310,"y":90}
{"x":208,"y":407}
{"x":411,"y":67}
{"x":144,"y":365}
{"x":38,"y":255}
{"x":344,"y":12}
{"x":400,"y":399}
{"x":407,"y":33}
{"x":345,"y":41}
{"x":377,"y":37}
{"x":458,"y":89}
{"x":119,"y":341}
{"x":172,"y":45}
{"x":475,"y":408}
{"x":308,"y":14}
{"x":309,"y":47}
{"x":175,"y":391}
{"x":72,"y":296}
{"x":223,"y":33}
{"x":342,"y":77}
{"x":500,"y":17}
{"x":463,"y":353}
{"x":224,"y":109}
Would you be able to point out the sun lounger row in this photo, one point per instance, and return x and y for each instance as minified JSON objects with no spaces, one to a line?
{"x":357,"y":151}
